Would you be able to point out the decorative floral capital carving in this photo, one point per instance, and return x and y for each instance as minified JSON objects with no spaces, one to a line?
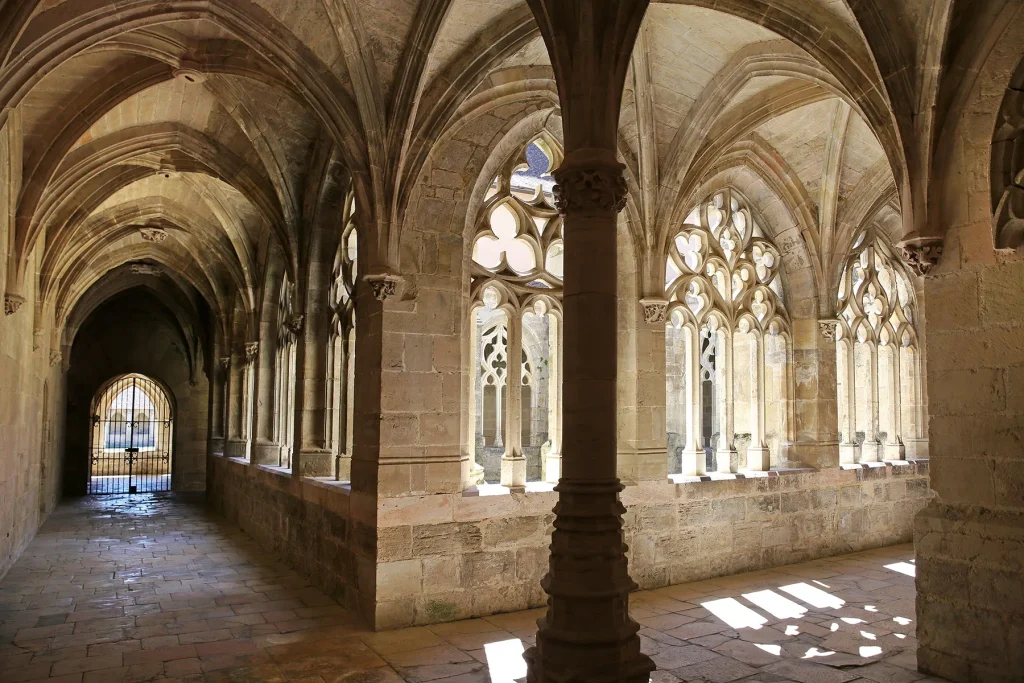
{"x":252,"y":350}
{"x":590,"y":183}
{"x":655,"y":310}
{"x":294,"y":324}
{"x":829,"y":329}
{"x":154,"y":235}
{"x":921,"y":254}
{"x":12,"y":302}
{"x":383,"y":286}
{"x":55,"y":357}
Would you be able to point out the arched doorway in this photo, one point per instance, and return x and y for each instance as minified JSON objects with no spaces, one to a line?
{"x":132,"y":437}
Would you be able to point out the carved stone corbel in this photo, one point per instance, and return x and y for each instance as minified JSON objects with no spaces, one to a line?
{"x":829,"y":329}
{"x":383,"y":286}
{"x":225,"y":363}
{"x":252,"y":352}
{"x":12,"y":303}
{"x":921,"y":254}
{"x":55,"y":357}
{"x":146,"y":269}
{"x":154,"y":235}
{"x":655,"y":310}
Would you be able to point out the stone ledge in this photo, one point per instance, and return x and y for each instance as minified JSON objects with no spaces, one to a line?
{"x":742,"y":474}
{"x":499,"y":490}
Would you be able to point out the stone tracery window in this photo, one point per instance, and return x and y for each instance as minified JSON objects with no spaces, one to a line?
{"x":284,"y":376}
{"x":727,"y":343}
{"x":877,"y":354}
{"x":342,"y":345}
{"x":516,"y":287}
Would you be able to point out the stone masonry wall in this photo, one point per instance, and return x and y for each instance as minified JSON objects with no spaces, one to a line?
{"x":33,"y":389}
{"x":305,"y":522}
{"x":970,"y":539}
{"x":447,"y":557}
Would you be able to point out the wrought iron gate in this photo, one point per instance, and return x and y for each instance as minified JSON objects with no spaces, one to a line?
{"x":131,"y":438}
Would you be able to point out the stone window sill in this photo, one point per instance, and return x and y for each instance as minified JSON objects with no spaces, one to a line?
{"x":499,"y":490}
{"x":283,"y":471}
{"x":882,"y":463}
{"x":742,"y":474}
{"x":330,"y":483}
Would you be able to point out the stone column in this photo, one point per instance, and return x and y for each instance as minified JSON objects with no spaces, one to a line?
{"x":513,"y":462}
{"x":219,"y":390}
{"x":472,"y":473}
{"x":815,"y":415}
{"x":728,"y":458}
{"x":758,"y":456}
{"x":587,"y":633}
{"x":694,"y":457}
{"x":849,"y":450}
{"x":553,"y":462}
{"x":872,"y":448}
{"x":894,"y":448}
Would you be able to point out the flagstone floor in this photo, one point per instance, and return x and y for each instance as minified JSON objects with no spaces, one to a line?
{"x":155,"y":588}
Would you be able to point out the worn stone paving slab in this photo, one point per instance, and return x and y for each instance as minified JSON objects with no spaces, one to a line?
{"x":156,"y":588}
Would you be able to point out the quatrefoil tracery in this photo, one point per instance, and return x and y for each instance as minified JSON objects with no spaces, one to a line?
{"x":519,"y":233}
{"x":721,"y":262}
{"x":876,"y":300}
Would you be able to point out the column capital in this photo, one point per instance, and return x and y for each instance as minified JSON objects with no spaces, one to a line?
{"x":55,"y":357}
{"x":655,"y":310}
{"x":384,"y":286}
{"x":829,"y":328}
{"x":921,"y":254}
{"x":251,"y":350}
{"x":590,"y":180}
{"x":294,"y":324}
{"x":12,"y":303}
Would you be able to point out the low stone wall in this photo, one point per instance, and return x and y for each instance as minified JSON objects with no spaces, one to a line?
{"x":307,"y":523}
{"x":447,"y":557}
{"x":970,"y":569}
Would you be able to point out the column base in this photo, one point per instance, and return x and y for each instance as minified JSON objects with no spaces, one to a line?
{"x":849,"y":453}
{"x":587,"y":633}
{"x":474,"y":474}
{"x":342,"y":467}
{"x":895,"y":451}
{"x":871,"y":451}
{"x":695,"y":463}
{"x":917,"y":449}
{"x":728,"y":461}
{"x":513,"y":473}
{"x":237,"y":448}
{"x":759,"y":459}
{"x":316,"y":462}
{"x":265,"y":453}
{"x":553,"y":467}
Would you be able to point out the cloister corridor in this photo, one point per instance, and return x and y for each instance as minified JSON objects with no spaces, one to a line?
{"x":154,"y":587}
